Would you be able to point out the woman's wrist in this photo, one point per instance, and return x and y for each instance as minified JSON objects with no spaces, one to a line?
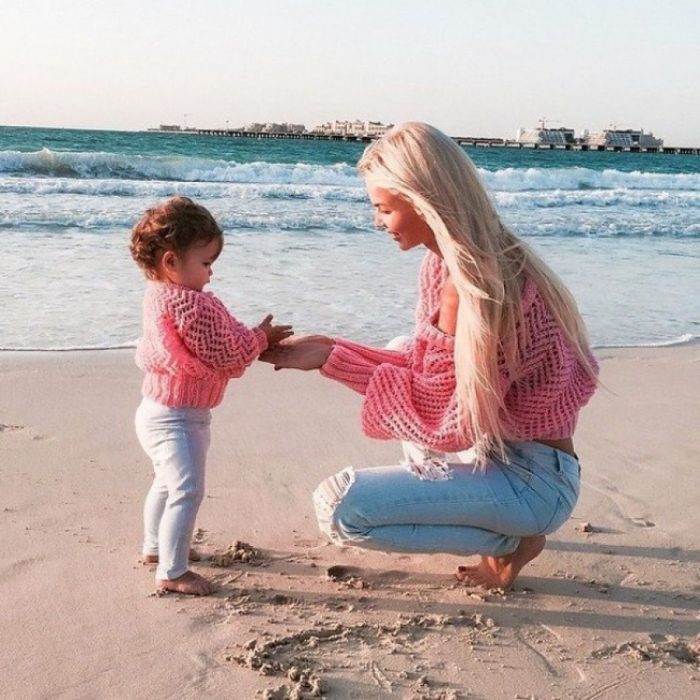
{"x":326,"y":353}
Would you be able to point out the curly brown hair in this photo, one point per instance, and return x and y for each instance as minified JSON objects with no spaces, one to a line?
{"x":177,"y":225}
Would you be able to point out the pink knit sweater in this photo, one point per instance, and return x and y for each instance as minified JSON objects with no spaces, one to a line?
{"x":191,"y":346}
{"x":411,"y":394}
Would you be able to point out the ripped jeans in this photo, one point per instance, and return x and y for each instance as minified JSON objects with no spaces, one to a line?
{"x":444,"y":503}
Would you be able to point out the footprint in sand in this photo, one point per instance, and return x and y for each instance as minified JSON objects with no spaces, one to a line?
{"x":6,"y":428}
{"x":342,"y":573}
{"x":642,"y":522}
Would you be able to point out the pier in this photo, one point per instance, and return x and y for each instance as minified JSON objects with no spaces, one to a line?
{"x":240,"y":133}
{"x":507,"y":143}
{"x":469,"y":141}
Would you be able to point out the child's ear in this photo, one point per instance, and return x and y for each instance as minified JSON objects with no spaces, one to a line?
{"x":169,"y":259}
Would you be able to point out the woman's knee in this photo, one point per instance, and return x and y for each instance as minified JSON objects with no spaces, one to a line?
{"x":332,"y":511}
{"x":398,"y":343}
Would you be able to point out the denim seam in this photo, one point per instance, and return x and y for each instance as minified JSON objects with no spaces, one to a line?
{"x":557,"y":507}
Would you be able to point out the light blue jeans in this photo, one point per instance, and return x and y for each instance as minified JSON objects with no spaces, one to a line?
{"x":176,"y":440}
{"x":444,"y":503}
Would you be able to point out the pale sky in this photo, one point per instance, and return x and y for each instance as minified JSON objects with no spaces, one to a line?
{"x":471,"y":67}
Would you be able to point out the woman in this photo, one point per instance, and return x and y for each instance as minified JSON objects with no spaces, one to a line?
{"x":485,"y":396}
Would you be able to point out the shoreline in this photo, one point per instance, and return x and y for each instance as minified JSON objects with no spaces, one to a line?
{"x":686,"y":340}
{"x":615,"y":601}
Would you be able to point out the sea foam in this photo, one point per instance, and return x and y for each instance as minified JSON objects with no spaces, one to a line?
{"x":103,"y":165}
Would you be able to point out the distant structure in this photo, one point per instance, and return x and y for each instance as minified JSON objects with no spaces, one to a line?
{"x":621,"y":138}
{"x":544,"y":136}
{"x":274,"y":128}
{"x":611,"y":139}
{"x":176,"y":128}
{"x":337,"y":129}
{"x":367,"y":129}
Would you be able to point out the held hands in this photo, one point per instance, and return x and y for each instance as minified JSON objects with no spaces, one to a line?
{"x":449,"y":304}
{"x":274,"y":334}
{"x":306,"y":353}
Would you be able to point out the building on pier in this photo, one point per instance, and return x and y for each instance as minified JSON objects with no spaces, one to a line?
{"x":352,"y":128}
{"x":621,"y":138}
{"x":543,"y":136}
{"x":168,"y":127}
{"x":274,"y":128}
{"x":607,"y":139}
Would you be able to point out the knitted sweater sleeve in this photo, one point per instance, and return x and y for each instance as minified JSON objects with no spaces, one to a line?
{"x":417,"y":402}
{"x":354,"y":364}
{"x":410,"y":394}
{"x":217,"y":338}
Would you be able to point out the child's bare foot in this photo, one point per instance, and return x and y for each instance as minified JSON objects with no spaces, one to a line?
{"x":194,"y":555}
{"x":189,"y":583}
{"x":500,"y":572}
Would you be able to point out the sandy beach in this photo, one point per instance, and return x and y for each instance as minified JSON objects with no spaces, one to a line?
{"x":610,"y":610}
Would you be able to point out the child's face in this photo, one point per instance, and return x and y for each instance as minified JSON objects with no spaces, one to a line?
{"x":193,"y":268}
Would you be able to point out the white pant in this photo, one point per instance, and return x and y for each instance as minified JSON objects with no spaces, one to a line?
{"x":176,"y":440}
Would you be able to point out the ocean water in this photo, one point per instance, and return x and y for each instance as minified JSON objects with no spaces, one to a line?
{"x":622,"y":230}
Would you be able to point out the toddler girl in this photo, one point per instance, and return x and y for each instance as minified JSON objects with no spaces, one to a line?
{"x":190,"y":348}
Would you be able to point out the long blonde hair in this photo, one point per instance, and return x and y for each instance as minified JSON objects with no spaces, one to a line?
{"x":486,"y":262}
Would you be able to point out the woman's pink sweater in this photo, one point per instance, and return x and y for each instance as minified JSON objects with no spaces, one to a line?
{"x":191,"y":346}
{"x":411,"y":394}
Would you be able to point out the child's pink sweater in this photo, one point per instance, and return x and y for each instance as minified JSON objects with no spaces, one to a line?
{"x":411,"y":394}
{"x":191,"y":346}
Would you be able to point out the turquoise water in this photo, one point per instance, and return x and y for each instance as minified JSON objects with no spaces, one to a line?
{"x":621,"y":229}
{"x":317,"y":152}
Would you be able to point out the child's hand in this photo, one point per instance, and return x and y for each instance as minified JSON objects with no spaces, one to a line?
{"x":274,"y":333}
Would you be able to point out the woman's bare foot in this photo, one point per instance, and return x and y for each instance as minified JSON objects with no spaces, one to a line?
{"x":500,"y":572}
{"x":194,"y":555}
{"x":189,"y":583}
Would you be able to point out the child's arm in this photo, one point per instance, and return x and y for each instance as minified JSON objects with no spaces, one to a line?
{"x":221,"y":341}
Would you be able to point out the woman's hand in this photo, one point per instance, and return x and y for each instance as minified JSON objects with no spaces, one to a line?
{"x":449,"y":304}
{"x":324,"y":339}
{"x":310,"y":352}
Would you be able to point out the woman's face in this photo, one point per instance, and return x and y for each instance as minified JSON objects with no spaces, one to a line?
{"x":395,"y":215}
